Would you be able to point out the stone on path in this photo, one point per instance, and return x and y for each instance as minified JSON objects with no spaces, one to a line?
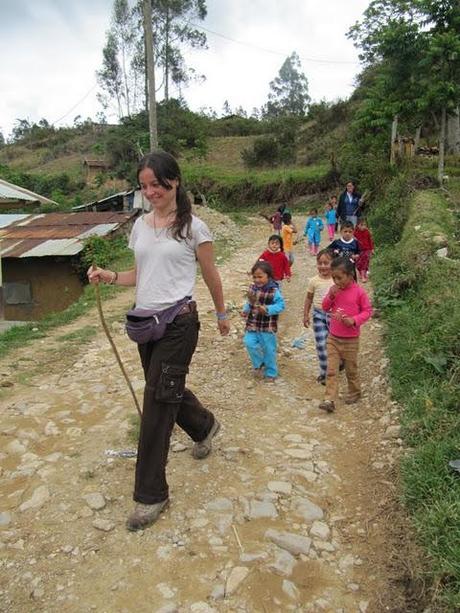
{"x":300,"y":454}
{"x":295,"y":544}
{"x":290,"y":589}
{"x":95,"y":501}
{"x":220,"y":505}
{"x":321,"y":530}
{"x":259,"y":509}
{"x":237,"y":575}
{"x":37,"y":500}
{"x":5,"y":518}
{"x":280,"y":487}
{"x":15,"y":447}
{"x":103,"y":524}
{"x":307,"y":509}
{"x":284,"y":564}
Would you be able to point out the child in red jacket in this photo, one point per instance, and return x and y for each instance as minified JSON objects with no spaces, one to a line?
{"x":366,"y":245}
{"x":276,"y":257}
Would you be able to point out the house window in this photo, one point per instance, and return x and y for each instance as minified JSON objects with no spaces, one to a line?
{"x":19,"y":292}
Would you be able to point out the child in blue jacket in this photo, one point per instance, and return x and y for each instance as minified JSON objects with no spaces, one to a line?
{"x":313,"y":230}
{"x":261,"y":311}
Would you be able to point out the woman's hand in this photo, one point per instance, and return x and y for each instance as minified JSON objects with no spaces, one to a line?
{"x":100,"y":275}
{"x":224,"y":326}
{"x":306,"y":321}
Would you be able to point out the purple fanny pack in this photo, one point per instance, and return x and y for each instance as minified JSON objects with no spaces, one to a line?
{"x":145,"y":325}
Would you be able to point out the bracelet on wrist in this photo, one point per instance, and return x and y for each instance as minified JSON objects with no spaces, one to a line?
{"x":114,"y":278}
{"x":221,"y":316}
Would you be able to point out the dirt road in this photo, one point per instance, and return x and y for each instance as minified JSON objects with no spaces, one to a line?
{"x":291,"y":512}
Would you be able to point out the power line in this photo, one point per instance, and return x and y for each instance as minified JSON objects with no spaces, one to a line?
{"x":239,"y":42}
{"x":76,"y":104}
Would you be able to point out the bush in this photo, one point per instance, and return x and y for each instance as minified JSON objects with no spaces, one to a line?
{"x":265,"y":151}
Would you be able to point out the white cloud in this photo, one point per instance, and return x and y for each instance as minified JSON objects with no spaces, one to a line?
{"x":51,"y":49}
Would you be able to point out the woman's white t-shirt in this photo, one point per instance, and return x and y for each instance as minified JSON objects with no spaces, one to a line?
{"x":165,"y":267}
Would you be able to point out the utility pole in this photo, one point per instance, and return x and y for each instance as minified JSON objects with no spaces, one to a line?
{"x":150,"y":67}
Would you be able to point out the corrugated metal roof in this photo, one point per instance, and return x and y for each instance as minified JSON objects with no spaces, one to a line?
{"x":7,"y":219}
{"x":9,"y":191}
{"x":54,"y":233}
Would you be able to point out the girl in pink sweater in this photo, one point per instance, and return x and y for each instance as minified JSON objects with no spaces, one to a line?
{"x":349,"y":307}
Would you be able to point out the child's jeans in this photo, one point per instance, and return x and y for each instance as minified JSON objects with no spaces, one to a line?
{"x":331,"y":230}
{"x":342,"y":349}
{"x":321,"y":331}
{"x":261,"y":347}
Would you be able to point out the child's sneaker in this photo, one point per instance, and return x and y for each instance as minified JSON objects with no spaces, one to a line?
{"x":270,"y":379}
{"x":327,"y":405}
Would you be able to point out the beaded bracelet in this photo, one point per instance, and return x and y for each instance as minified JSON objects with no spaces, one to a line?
{"x":221,"y":316}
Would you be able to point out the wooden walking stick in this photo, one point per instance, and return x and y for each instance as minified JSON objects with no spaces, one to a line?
{"x":112,"y":344}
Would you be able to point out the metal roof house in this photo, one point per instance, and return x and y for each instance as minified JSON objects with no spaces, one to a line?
{"x":129,"y":200}
{"x":38,"y":257}
{"x":15,"y":197}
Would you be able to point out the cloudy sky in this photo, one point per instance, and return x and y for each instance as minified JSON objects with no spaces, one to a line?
{"x":51,"y":49}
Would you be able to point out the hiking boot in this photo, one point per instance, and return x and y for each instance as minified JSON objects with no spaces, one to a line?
{"x":352,"y":399}
{"x":203,"y":448}
{"x":144,"y":515}
{"x":327,"y":405}
{"x":321,"y":379}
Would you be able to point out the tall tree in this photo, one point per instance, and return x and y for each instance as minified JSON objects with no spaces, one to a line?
{"x":414,"y":48}
{"x":122,"y":76}
{"x":174,"y":29}
{"x":119,"y":76}
{"x":288,"y":94}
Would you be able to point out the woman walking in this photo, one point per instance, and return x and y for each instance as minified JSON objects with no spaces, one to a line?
{"x":167,"y":242}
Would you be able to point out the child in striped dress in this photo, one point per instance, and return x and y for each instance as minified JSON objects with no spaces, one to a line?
{"x":318,"y":287}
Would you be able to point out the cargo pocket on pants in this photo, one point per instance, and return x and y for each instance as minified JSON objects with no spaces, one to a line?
{"x":172,"y":383}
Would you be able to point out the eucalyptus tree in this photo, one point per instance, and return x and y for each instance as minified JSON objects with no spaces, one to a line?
{"x":288,"y":94}
{"x":122,"y":76}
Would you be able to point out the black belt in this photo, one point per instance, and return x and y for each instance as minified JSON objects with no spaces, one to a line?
{"x":188,"y":307}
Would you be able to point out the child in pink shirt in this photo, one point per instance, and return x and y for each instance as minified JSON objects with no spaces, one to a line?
{"x":349,"y":307}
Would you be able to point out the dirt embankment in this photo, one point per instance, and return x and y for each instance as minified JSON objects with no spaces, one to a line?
{"x":293,"y":511}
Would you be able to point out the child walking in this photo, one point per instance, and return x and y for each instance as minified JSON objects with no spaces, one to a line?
{"x":275,"y":256}
{"x":331,"y":217}
{"x":287,"y":234}
{"x":261,"y":310}
{"x":312,"y":231}
{"x":349,"y":306}
{"x":318,"y":287}
{"x":366,"y":246}
{"x":347,"y":245}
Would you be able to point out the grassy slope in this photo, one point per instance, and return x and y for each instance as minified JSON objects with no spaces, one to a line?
{"x":420,"y":296}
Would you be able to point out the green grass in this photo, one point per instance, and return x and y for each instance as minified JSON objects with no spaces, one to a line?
{"x":419,"y":294}
{"x":232,"y":189}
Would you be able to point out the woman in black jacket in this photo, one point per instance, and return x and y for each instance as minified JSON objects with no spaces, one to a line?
{"x":349,"y":207}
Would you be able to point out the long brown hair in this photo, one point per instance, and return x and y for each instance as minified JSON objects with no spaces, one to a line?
{"x":166,"y":169}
